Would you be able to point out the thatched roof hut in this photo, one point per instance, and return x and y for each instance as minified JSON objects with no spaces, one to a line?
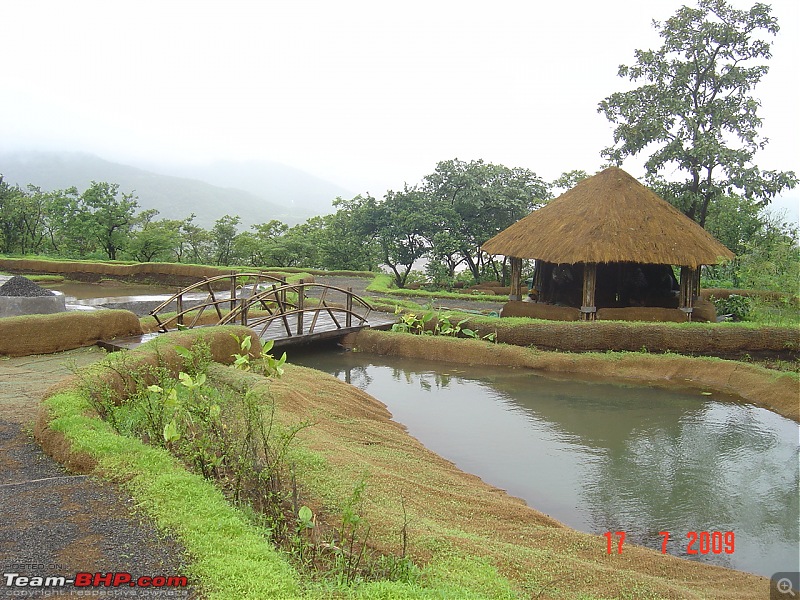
{"x":609,"y":218}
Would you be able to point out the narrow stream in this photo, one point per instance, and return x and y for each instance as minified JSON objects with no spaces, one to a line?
{"x":605,"y":458}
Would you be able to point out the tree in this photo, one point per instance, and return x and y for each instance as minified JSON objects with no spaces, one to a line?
{"x":695,"y":109}
{"x":194,"y":242}
{"x":734,"y":221}
{"x":469,"y":203}
{"x":110,"y":218}
{"x":348,"y":241}
{"x":223,"y":235}
{"x":771,"y":259}
{"x":65,"y":223}
{"x":568,"y":180}
{"x":153,"y":240}
{"x":11,"y":217}
{"x":258,"y":248}
{"x":33,"y":208}
{"x":401,"y":230}
{"x":299,"y":245}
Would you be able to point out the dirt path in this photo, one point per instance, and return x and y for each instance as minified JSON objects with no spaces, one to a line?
{"x":58,"y":524}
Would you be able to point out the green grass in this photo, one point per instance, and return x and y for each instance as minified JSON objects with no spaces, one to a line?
{"x":229,"y":556}
{"x":224,"y":268}
{"x":774,"y":315}
{"x":46,"y":278}
{"x":384,"y":284}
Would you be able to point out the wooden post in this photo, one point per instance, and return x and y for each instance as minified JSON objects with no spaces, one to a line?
{"x":349,"y":306}
{"x":301,"y":294}
{"x":538,"y":279}
{"x":233,"y":291}
{"x":179,"y":308}
{"x":516,"y":279}
{"x":687,"y":291}
{"x":588,"y":308}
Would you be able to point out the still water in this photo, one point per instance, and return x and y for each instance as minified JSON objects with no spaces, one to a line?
{"x":601,"y":457}
{"x":116,"y":289}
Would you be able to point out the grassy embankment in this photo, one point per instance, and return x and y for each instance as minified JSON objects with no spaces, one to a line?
{"x":468,"y":539}
{"x":448,"y":571}
{"x":230,"y":555}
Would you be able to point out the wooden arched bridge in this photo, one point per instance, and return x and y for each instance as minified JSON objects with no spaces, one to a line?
{"x":287,"y":313}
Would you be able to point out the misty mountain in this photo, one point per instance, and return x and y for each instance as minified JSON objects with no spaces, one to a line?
{"x":291,"y":199}
{"x":275,"y":182}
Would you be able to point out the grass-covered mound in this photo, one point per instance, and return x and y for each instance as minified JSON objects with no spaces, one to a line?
{"x":45,"y":334}
{"x":182,"y":274}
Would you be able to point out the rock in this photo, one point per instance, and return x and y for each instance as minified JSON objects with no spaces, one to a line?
{"x":23,"y":287}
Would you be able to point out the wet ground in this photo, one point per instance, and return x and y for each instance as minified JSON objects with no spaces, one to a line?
{"x":57,"y":523}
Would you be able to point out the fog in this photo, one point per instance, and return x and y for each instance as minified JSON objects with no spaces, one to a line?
{"x":366,"y":95}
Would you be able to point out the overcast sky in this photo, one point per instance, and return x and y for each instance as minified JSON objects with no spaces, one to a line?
{"x":367,"y":94}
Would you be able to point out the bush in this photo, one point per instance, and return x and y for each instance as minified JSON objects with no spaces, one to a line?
{"x":736,"y":306}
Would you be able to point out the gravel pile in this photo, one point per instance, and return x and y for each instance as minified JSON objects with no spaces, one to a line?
{"x":22,"y":286}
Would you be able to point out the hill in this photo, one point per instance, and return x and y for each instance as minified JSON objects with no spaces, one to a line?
{"x":270,"y":194}
{"x":275,"y":182}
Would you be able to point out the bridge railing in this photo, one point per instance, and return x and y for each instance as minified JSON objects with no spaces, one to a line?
{"x":281,"y":307}
{"x":223,"y":297}
{"x":273,"y":301}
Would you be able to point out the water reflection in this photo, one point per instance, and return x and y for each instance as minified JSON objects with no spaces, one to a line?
{"x":602,"y":457}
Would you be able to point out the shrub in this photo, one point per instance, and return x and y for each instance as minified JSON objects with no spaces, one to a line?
{"x":736,"y":307}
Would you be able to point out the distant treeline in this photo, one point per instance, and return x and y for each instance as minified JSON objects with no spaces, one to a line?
{"x":445,"y":219}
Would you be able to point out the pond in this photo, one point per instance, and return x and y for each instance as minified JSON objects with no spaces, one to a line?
{"x":108,"y":289}
{"x":604,"y":458}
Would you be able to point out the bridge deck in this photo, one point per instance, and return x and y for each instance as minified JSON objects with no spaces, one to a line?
{"x":324,"y":329}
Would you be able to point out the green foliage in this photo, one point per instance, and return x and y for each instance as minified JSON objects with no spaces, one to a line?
{"x":216,"y":536}
{"x":443,"y":324}
{"x":694,"y":110}
{"x":154,"y":241}
{"x":771,"y":261}
{"x":734,"y":220}
{"x":569,"y":180}
{"x":223,"y":235}
{"x":353,"y":534}
{"x":222,"y":434}
{"x":471,"y":203}
{"x":108,"y":218}
{"x":738,"y":307}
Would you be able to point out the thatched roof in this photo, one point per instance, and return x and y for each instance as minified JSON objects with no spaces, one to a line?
{"x":609,"y":217}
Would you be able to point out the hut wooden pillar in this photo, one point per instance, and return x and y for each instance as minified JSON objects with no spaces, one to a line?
{"x":588,"y":307}
{"x":687,"y":291}
{"x":516,"y":279}
{"x":538,"y":280}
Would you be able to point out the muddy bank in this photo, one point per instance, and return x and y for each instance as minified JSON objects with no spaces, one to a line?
{"x":172,"y":274}
{"x":779,"y":392}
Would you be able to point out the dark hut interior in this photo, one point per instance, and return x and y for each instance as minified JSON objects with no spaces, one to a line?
{"x":619,"y":285}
